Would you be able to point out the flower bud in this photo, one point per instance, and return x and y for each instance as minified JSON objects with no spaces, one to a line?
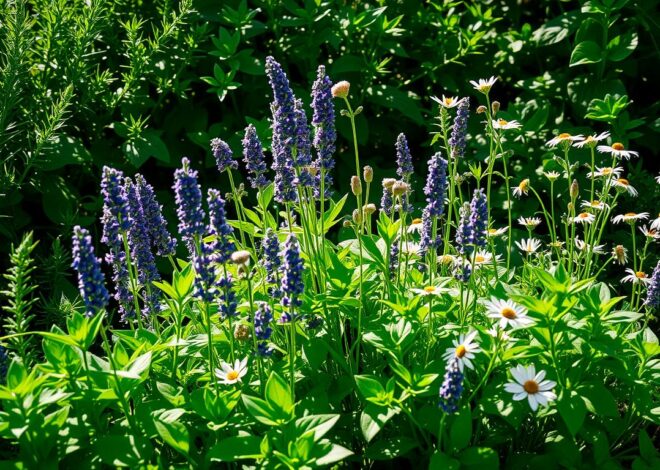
{"x":356,"y":185}
{"x":495,"y":107}
{"x":399,"y":188}
{"x":312,"y":170}
{"x":242,"y":332}
{"x":388,"y":183}
{"x":346,"y":223}
{"x":357,"y":217}
{"x":340,"y":89}
{"x":368,"y":174}
{"x":575,"y":189}
{"x":369,"y":209}
{"x":241,"y":257}
{"x":481,"y":109}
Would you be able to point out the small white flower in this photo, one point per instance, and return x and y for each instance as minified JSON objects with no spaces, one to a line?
{"x":551,"y":175}
{"x":504,"y":124}
{"x":496,"y":232}
{"x":464,"y":350}
{"x":563,"y":137}
{"x":624,"y":184}
{"x":656,"y":223}
{"x":483,"y":257}
{"x":484,"y":85}
{"x":630,"y":217}
{"x":522,"y":188}
{"x":638,"y":277}
{"x":617,"y":150}
{"x":528,"y":245}
{"x":620,"y":254}
{"x":508,"y":313}
{"x":415,"y":226}
{"x":598,"y":205}
{"x":591,"y":140}
{"x":584,"y":218}
{"x":528,"y":384}
{"x":429,"y":290}
{"x":497,"y":332}
{"x":230,"y":375}
{"x":606,"y":171}
{"x":529,"y":222}
{"x":410,"y":248}
{"x":657,"y":179}
{"x":582,"y":246}
{"x":447,"y":102}
{"x":650,"y":233}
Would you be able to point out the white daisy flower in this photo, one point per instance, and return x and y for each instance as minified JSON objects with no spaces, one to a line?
{"x":496,"y":232}
{"x":483,"y":257}
{"x":584,"y":218}
{"x":630,"y":217}
{"x":484,"y":85}
{"x":230,"y":375}
{"x":649,"y":232}
{"x":624,"y":184}
{"x":656,"y":223}
{"x":528,"y":384}
{"x":657,"y":179}
{"x":582,"y":246}
{"x":558,"y":244}
{"x":528,"y":245}
{"x":464,"y":350}
{"x":563,"y":137}
{"x":508,"y":313}
{"x":620,"y":255}
{"x":429,"y":290}
{"x":591,"y":140}
{"x":606,"y":171}
{"x":617,"y":150}
{"x":447,"y":102}
{"x":636,"y":277}
{"x":497,"y":332}
{"x":598,"y":205}
{"x":410,"y":248}
{"x":446,"y":260}
{"x":504,"y":124}
{"x":522,"y":188}
{"x":415,"y":226}
{"x":529,"y":222}
{"x":551,"y":175}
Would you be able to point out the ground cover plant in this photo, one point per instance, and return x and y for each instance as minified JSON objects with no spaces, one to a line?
{"x":294,"y":332}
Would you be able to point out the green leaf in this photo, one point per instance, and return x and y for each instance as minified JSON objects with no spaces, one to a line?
{"x":236,"y":448}
{"x":587,"y":52}
{"x":278,"y":394}
{"x":318,"y":424}
{"x":598,"y":400}
{"x":261,"y":410}
{"x":336,"y":454}
{"x":460,"y":432}
{"x":373,"y":419}
{"x":124,"y":451}
{"x":573,"y":411}
{"x":620,"y":47}
{"x":440,"y":461}
{"x":479,"y":458}
{"x":369,"y":386}
{"x":174,"y":433}
{"x":391,"y":448}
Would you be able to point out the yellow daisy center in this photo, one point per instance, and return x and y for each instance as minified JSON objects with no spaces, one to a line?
{"x":429,"y":289}
{"x":584,"y":215}
{"x":460,"y":351}
{"x":523,"y":185}
{"x":416,"y":221}
{"x":531,"y":387}
{"x":449,"y":101}
{"x":564,"y":135}
{"x":502,"y":122}
{"x":479,"y":259}
{"x":630,"y":214}
{"x":509,"y":313}
{"x":607,"y":171}
{"x":617,"y":146}
{"x":232,"y":375}
{"x":640,"y":274}
{"x":623,"y":181}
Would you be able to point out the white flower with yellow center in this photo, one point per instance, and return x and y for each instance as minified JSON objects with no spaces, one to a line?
{"x":650,"y":233}
{"x":464,"y":350}
{"x":631,"y":217}
{"x":230,"y":375}
{"x":620,"y":255}
{"x":606,"y":172}
{"x":582,"y":246}
{"x":597,"y":205}
{"x":429,"y":290}
{"x":656,"y":223}
{"x":504,"y":124}
{"x":508,"y":313}
{"x":446,"y":260}
{"x":617,"y":150}
{"x":592,"y":140}
{"x":624,"y":185}
{"x":528,"y":384}
{"x":529,"y":222}
{"x":447,"y":102}
{"x":522,"y":188}
{"x":657,"y":179}
{"x":551,"y":175}
{"x":584,"y":218}
{"x":483,"y":257}
{"x":496,"y":232}
{"x":636,"y":277}
{"x":529,"y":245}
{"x":558,"y":244}
{"x":563,"y":137}
{"x":415,"y":226}
{"x":410,"y":248}
{"x":484,"y":85}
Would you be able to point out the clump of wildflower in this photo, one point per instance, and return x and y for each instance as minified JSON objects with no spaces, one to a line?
{"x":227,"y":296}
{"x":465,"y":232}
{"x":459,"y":129}
{"x":303,"y":160}
{"x":160,"y":237}
{"x":224,"y":157}
{"x":451,"y":388}
{"x":436,"y":185}
{"x":90,"y":278}
{"x":394,"y":259}
{"x":484,"y":84}
{"x":228,"y":374}
{"x":528,"y":384}
{"x":403,"y":158}
{"x":479,"y":217}
{"x":188,"y":197}
{"x":341,"y":89}
{"x":262,"y":330}
{"x":205,"y":279}
{"x":620,"y":254}
{"x":653,"y":292}
{"x":271,"y":262}
{"x":292,"y":279}
{"x":222,"y":247}
{"x":323,"y":122}
{"x":253,"y":156}
{"x":387,"y":202}
{"x":462,"y":270}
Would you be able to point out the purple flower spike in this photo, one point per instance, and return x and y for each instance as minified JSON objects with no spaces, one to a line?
{"x":90,"y":278}
{"x":323,"y":121}
{"x":223,"y":155}
{"x":253,"y":156}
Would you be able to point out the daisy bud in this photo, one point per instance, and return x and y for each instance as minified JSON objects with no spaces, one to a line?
{"x":369,"y":209}
{"x":241,"y":257}
{"x":575,"y":189}
{"x":399,"y":188}
{"x":481,"y":109}
{"x":495,"y":106}
{"x":356,"y":186}
{"x":388,"y":183}
{"x":340,"y":89}
{"x":368,"y":174}
{"x":357,"y":217}
{"x":242,"y":332}
{"x":346,"y":223}
{"x":570,"y":206}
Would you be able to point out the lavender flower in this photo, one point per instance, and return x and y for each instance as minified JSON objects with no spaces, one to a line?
{"x":465,"y":232}
{"x":222,"y":247}
{"x":303,"y":158}
{"x":284,"y":132}
{"x":262,"y":330}
{"x":426,"y":236}
{"x":90,"y":278}
{"x":436,"y":185}
{"x":4,"y":360}
{"x":292,"y":279}
{"x":387,"y":202}
{"x":228,"y":302}
{"x":253,"y":156}
{"x":452,"y":387}
{"x":271,"y":262}
{"x":653,"y":292}
{"x":459,"y":129}
{"x":160,"y":238}
{"x":323,"y":121}
{"x":462,"y":270}
{"x":205,"y":288}
{"x":394,"y":259}
{"x":479,"y":217}
{"x":403,"y":158}
{"x":223,"y":155}
{"x":188,"y":196}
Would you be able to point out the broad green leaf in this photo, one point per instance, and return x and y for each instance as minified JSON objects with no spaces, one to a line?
{"x":573,"y":411}
{"x":236,"y":448}
{"x":460,"y":432}
{"x":373,"y":418}
{"x":278,"y":394}
{"x":621,"y":46}
{"x":478,"y":458}
{"x":175,"y":434}
{"x":587,"y":52}
{"x":124,"y":451}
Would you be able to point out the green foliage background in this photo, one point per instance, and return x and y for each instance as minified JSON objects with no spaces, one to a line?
{"x":136,"y":85}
